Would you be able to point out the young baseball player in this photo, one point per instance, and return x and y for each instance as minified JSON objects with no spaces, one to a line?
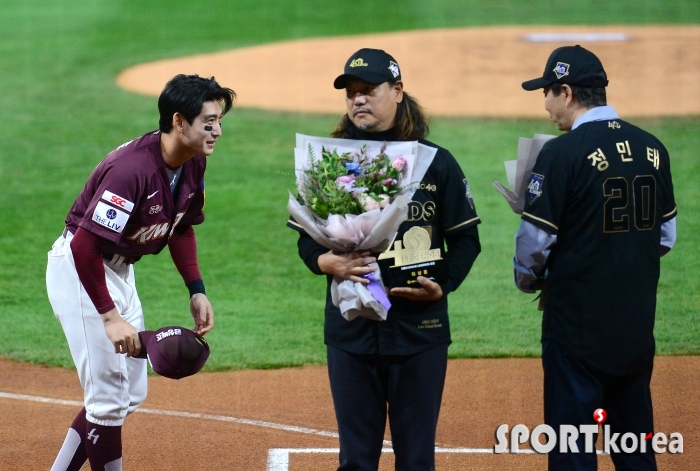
{"x":396,"y":367}
{"x":600,"y":212}
{"x":144,"y":195}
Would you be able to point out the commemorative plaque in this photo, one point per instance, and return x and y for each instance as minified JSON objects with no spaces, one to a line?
{"x":412,"y":257}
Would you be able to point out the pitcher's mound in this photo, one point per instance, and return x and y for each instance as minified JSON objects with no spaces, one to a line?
{"x":653,"y":71}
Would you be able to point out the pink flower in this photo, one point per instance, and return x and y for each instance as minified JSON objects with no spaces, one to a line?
{"x":346,"y":181}
{"x":367,"y":202}
{"x":399,"y":164}
{"x":388,"y":181}
{"x":370,"y":204}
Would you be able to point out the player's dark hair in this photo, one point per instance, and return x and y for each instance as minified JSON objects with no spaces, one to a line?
{"x":589,"y":97}
{"x":186,"y":94}
{"x":411,"y":122}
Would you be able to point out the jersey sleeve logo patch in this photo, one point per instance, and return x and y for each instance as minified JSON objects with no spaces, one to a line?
{"x":468,"y":193}
{"x":118,"y":200}
{"x":109,"y":217}
{"x":534,"y":188}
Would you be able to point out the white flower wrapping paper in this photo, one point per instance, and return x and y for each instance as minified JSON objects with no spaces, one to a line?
{"x":518,"y":171}
{"x":373,"y":230}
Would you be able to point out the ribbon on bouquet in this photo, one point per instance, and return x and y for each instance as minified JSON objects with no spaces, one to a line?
{"x":377,"y":290}
{"x":357,"y":300}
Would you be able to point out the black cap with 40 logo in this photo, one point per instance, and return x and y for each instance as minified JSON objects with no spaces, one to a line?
{"x":573,"y":65}
{"x":370,"y":65}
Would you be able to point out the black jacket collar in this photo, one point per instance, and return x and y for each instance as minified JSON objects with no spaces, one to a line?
{"x":387,"y":135}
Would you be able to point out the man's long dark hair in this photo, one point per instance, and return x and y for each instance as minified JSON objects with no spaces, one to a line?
{"x":411,"y":122}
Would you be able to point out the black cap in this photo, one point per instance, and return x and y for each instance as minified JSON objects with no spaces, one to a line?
{"x":572,"y":65}
{"x":370,"y":65}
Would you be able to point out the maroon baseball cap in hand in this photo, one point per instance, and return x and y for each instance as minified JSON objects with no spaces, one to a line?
{"x":174,"y":352}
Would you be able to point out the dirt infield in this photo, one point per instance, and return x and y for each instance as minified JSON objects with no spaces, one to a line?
{"x":280,"y":420}
{"x":653,"y":70}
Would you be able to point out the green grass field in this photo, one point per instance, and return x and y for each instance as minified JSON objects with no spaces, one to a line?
{"x":61,"y":113}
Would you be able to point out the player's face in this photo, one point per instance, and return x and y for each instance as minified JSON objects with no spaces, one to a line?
{"x":557,"y":108}
{"x":201,"y":135}
{"x":372,"y":107}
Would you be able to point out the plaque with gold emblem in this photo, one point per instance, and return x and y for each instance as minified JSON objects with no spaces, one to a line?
{"x":412,"y":257}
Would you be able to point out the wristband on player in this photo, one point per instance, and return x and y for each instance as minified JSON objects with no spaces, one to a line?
{"x":196,"y":286}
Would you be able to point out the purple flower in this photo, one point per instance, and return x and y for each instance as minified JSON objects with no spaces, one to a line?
{"x":388,"y":181}
{"x":346,"y":182}
{"x":358,"y":190}
{"x":399,"y":164}
{"x":353,"y":167}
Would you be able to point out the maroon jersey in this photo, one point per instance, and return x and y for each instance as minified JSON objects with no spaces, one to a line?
{"x":128,"y":203}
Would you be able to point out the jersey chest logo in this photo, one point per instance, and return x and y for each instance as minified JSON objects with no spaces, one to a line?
{"x":421,"y":212}
{"x":155,"y":209}
{"x":148,"y":233}
{"x":145,"y":234}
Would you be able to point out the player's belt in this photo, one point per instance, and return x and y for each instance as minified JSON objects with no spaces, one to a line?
{"x":116,"y":259}
{"x":112,"y":258}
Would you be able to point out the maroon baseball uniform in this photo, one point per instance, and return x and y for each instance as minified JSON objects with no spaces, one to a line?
{"x":128,"y":203}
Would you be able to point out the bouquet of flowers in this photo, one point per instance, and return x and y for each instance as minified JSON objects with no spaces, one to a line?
{"x":350,"y":183}
{"x":353,"y":196}
{"x":519,"y":172}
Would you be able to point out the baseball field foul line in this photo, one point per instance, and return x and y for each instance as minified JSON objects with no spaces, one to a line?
{"x":189,"y":415}
{"x":278,"y":458}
